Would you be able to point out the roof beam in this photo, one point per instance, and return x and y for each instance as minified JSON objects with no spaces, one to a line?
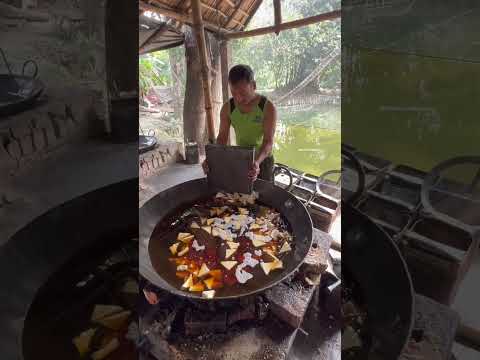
{"x":285,"y":26}
{"x":182,"y":17}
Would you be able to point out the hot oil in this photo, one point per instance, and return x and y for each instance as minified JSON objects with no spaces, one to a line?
{"x":166,"y":232}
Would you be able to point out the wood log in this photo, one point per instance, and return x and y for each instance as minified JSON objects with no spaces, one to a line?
{"x":285,"y":26}
{"x":202,"y":46}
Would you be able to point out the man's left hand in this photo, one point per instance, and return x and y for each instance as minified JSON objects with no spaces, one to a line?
{"x":254,"y":171}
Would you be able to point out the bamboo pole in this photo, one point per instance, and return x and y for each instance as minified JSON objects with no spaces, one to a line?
{"x":202,"y":47}
{"x":285,"y":26}
{"x":277,"y":8}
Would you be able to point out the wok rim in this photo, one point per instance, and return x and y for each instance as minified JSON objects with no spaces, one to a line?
{"x":198,"y":297}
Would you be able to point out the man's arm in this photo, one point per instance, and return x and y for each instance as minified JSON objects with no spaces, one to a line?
{"x":224,"y":132}
{"x":269,"y":125}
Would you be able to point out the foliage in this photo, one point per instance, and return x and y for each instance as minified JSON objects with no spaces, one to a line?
{"x":282,"y":61}
{"x":154,"y":70}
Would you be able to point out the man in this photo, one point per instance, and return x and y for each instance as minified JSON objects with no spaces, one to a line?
{"x":253,"y":118}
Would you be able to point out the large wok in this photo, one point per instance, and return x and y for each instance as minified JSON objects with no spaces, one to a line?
{"x":374,"y":262}
{"x":152,"y":249}
{"x":18,"y":92}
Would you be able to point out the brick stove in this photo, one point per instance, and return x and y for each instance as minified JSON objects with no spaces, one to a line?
{"x":260,"y":327}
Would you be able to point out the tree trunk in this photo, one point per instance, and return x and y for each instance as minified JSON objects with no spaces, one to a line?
{"x":213,"y":51}
{"x":175,"y":67}
{"x":193,"y":107}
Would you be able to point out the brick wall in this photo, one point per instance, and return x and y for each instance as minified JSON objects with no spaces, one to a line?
{"x":163,"y":155}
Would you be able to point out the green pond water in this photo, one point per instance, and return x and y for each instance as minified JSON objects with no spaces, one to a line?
{"x":412,"y":110}
{"x":309,"y":140}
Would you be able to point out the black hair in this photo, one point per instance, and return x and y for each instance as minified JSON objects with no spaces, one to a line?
{"x":239,"y":73}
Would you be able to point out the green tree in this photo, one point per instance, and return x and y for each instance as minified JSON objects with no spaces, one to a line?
{"x":153,"y":70}
{"x":283,"y":61}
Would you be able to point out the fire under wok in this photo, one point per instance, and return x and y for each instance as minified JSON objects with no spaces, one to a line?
{"x":154,"y":265}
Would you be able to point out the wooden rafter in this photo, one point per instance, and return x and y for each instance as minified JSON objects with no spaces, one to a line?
{"x":285,"y":26}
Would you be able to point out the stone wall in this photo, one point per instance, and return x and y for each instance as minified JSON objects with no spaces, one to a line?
{"x":66,"y":39}
{"x":32,"y":135}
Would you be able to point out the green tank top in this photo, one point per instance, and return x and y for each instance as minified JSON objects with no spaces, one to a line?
{"x":248,"y":126}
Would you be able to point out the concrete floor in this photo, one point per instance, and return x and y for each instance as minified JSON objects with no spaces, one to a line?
{"x":64,"y":175}
{"x":166,"y":178}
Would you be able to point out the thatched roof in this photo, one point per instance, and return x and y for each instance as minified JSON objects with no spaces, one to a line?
{"x":218,"y":15}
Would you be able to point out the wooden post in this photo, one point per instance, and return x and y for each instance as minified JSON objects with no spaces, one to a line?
{"x":277,"y":8}
{"x":225,"y":56}
{"x":193,"y":108}
{"x":175,"y":65}
{"x":202,"y":47}
{"x":214,"y":52}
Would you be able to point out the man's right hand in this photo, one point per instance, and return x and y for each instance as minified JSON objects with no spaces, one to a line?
{"x":205,"y":167}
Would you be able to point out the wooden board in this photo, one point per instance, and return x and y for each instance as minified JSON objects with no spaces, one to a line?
{"x":228,"y":168}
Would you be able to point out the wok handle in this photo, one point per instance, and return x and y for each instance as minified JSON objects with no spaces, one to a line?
{"x":282,"y":168}
{"x":35,"y":72}
{"x":468,"y":336}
